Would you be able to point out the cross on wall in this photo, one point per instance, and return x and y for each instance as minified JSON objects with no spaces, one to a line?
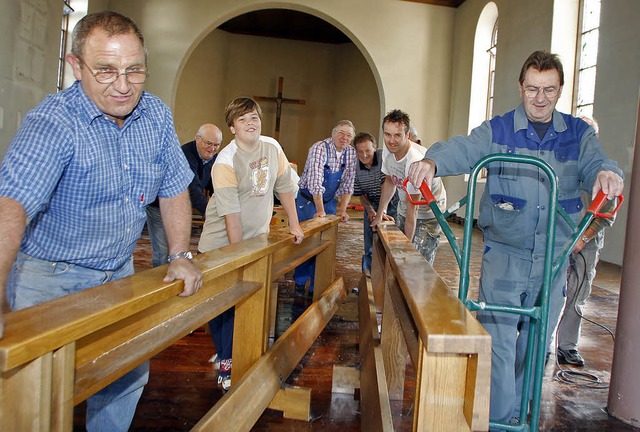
{"x":279,"y":100}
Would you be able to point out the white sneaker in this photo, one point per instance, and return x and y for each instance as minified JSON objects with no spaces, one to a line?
{"x":225,"y":381}
{"x":216,"y":362}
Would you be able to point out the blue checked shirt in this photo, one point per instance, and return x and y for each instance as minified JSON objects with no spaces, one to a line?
{"x":84,"y":182}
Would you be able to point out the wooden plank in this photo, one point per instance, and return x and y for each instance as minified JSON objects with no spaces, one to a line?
{"x":344,"y":379}
{"x":477,"y":391}
{"x":294,"y":402}
{"x":136,"y":339}
{"x":32,"y":332}
{"x":378,"y":275}
{"x":62,"y":388}
{"x":261,"y":383}
{"x":325,"y":263}
{"x":394,"y":348}
{"x":291,"y":256}
{"x":440,"y":388}
{"x":374,"y":395}
{"x":444,"y":323}
{"x":251,"y":323}
{"x":450,"y":350}
{"x":25,"y":401}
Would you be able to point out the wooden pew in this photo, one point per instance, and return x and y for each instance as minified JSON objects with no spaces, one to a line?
{"x":55,"y":355}
{"x":422,"y":317}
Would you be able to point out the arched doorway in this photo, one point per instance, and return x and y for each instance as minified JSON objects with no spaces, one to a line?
{"x":246,"y":55}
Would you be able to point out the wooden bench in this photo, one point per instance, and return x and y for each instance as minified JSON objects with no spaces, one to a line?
{"x":422,"y":317}
{"x":55,"y":355}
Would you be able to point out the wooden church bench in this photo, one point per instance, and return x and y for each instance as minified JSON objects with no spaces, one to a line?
{"x":422,"y":317}
{"x":56,"y":354}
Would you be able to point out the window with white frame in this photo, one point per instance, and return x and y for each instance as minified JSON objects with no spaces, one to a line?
{"x":483,"y":73}
{"x":587,"y":57}
{"x":64,"y":36}
{"x":492,"y":51}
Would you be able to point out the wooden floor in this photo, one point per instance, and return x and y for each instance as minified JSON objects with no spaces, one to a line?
{"x":183,"y":385}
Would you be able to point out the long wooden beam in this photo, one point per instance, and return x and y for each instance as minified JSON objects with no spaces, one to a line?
{"x":261,"y":383}
{"x":375,"y":407}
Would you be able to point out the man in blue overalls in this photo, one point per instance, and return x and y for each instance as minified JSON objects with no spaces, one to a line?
{"x":328,"y":174}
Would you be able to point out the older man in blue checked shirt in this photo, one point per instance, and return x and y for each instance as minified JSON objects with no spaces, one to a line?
{"x":75,"y":182}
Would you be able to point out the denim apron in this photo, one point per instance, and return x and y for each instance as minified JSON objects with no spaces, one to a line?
{"x":331,"y":183}
{"x":306,"y":209}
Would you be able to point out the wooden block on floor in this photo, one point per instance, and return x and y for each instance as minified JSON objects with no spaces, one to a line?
{"x":294,"y":402}
{"x":345,"y":379}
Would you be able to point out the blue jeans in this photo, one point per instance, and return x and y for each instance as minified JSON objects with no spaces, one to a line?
{"x":158,"y":238}
{"x":368,"y":235}
{"x":221,"y":328}
{"x":307,"y":270}
{"x":33,"y":281}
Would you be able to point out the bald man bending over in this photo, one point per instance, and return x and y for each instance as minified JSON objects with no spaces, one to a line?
{"x":200,"y":153}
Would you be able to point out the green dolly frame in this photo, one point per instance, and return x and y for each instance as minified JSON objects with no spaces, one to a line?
{"x":539,"y":313}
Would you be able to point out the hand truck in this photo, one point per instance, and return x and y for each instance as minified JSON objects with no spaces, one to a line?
{"x":539,"y":313}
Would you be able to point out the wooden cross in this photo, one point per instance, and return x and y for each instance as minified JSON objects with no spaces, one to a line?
{"x":279,"y":100}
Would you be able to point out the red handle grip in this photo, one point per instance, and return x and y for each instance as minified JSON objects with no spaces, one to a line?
{"x":424,"y":190}
{"x":599,"y":201}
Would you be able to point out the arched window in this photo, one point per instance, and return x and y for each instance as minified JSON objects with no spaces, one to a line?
{"x":72,"y":12}
{"x":587,"y":57}
{"x":492,"y":70}
{"x":484,"y":66}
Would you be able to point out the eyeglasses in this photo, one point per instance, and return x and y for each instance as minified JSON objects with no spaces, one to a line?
{"x":550,"y":92}
{"x":208,"y":143}
{"x":347,"y":135}
{"x":109,"y":76}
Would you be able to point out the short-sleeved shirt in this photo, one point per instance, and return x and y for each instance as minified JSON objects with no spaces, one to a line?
{"x":84,"y":182}
{"x":244,"y":182}
{"x":398,"y":170}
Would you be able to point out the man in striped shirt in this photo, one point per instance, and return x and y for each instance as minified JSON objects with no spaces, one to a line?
{"x":367,"y":186}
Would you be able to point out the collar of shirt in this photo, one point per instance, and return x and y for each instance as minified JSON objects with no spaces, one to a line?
{"x":521,"y":121}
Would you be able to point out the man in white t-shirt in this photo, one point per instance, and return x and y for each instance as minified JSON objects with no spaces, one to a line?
{"x":417,"y":222}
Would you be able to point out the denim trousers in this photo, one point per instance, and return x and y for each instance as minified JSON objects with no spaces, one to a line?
{"x":157,"y":236}
{"x":33,"y":281}
{"x":221,"y":328}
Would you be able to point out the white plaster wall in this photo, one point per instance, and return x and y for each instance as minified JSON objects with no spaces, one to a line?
{"x":28,"y":59}
{"x":616,"y":102}
{"x":406,"y":44}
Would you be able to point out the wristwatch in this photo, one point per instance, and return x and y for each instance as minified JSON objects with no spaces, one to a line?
{"x":178,"y":255}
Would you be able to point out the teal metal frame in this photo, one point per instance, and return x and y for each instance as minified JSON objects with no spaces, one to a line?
{"x":540,"y":312}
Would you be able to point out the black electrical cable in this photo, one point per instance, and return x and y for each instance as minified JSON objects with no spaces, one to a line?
{"x":570,"y":376}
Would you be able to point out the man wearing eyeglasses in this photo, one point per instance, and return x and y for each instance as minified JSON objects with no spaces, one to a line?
{"x":328,"y":174}
{"x":200,"y":153}
{"x":513,"y":210}
{"x":75,"y":182}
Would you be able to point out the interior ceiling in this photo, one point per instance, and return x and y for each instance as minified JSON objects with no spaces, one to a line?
{"x":290,"y":24}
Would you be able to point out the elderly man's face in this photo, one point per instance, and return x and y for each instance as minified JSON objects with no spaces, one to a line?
{"x":208,"y":144}
{"x":365,"y":152}
{"x":123,"y":52}
{"x":540,"y":92}
{"x":342,"y":137}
